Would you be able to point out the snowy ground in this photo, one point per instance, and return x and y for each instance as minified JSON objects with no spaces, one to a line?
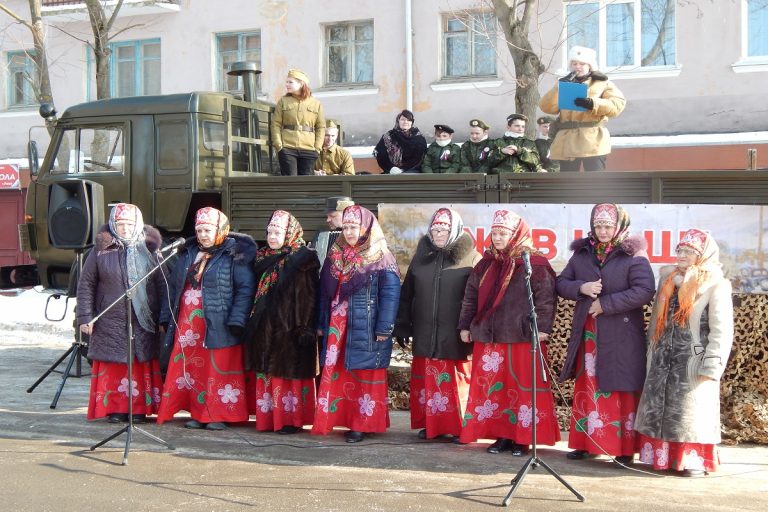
{"x":23,"y":320}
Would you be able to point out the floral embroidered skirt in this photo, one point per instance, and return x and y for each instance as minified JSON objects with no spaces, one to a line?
{"x":602,"y":422}
{"x":279,"y":402}
{"x":677,"y":456}
{"x":439,"y":391}
{"x":499,"y":404}
{"x":210,"y":384}
{"x":109,"y":388}
{"x":356,"y":399}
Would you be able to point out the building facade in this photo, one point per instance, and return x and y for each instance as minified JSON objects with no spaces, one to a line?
{"x":685,"y":67}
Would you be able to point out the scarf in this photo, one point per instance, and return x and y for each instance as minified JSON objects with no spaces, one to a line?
{"x":448,"y":219}
{"x":270,"y":262}
{"x":608,"y":213}
{"x":398,"y":141}
{"x":210,"y":216}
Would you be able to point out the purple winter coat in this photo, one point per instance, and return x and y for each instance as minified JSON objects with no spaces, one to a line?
{"x":628,"y":285}
{"x":103,"y":280}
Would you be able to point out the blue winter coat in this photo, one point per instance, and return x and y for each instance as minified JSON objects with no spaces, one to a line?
{"x":371,"y":312}
{"x":228,"y":286}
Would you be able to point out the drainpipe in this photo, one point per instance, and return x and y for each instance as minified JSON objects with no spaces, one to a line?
{"x":408,"y":56}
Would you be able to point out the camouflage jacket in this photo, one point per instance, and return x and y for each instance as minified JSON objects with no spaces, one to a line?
{"x":525,"y":160}
{"x":442,"y":160}
{"x":475,"y":156}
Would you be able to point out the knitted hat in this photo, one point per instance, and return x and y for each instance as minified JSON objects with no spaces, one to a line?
{"x":479,"y":123}
{"x":583,"y":54}
{"x":694,"y":239}
{"x":352,"y":215}
{"x":505,"y":219}
{"x":441,"y":219}
{"x":212,"y":217}
{"x":298,"y":75}
{"x":280,"y":220}
{"x":126,"y":211}
{"x":605,"y":214}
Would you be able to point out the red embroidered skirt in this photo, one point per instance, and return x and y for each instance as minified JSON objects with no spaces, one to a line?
{"x":601,"y":421}
{"x":356,"y":399}
{"x":109,"y":388}
{"x":210,"y":384}
{"x":499,"y":404}
{"x":439,"y":391}
{"x":279,"y":402}
{"x":677,"y":456}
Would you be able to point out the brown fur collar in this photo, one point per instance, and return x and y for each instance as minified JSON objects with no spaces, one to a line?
{"x":425,"y":251}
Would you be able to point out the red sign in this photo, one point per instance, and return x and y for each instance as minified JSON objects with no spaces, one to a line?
{"x":9,"y":176}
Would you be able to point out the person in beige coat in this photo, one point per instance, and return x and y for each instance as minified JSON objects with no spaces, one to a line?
{"x":581,"y":137}
{"x":298,"y":126}
{"x":690,"y":337}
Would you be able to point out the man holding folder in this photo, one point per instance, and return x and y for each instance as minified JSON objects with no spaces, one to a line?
{"x":584,"y":99}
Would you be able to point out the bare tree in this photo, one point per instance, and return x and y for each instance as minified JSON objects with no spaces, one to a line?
{"x":41,"y":83}
{"x":101,"y":26}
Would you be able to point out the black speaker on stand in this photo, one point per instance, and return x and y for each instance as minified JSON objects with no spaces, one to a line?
{"x":75,"y":213}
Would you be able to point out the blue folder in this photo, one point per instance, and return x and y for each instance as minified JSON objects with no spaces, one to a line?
{"x":569,"y":91}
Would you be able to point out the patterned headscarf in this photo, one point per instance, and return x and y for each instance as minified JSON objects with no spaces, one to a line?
{"x":608,"y":214}
{"x":270,"y":262}
{"x":707,"y":267}
{"x":448,"y":219}
{"x":138,"y":260}
{"x":208,"y":216}
{"x":498,"y":266}
{"x":349,"y":266}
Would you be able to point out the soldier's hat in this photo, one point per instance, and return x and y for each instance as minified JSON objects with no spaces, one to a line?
{"x":545,"y":120}
{"x":479,"y":123}
{"x":337,"y":204}
{"x":331,"y":123}
{"x":444,"y":128}
{"x":515,"y":117}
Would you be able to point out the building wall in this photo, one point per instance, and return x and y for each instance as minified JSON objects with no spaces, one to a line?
{"x":704,"y":95}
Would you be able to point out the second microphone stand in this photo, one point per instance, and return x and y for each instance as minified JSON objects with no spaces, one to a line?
{"x":536,"y":357}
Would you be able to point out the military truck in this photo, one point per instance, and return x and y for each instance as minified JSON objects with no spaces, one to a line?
{"x":173,"y":154}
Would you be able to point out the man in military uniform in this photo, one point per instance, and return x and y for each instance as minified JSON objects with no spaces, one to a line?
{"x":334,"y":208}
{"x":543,"y":142}
{"x":333,"y":159}
{"x":477,"y":150}
{"x":513,"y":152}
{"x":443,"y":156}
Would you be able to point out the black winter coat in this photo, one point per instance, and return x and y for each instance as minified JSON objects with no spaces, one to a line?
{"x":103,"y":279}
{"x":628,"y":285}
{"x":280,"y":335}
{"x":430,"y":298}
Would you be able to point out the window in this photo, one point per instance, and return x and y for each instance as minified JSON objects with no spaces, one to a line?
{"x":469,"y":45}
{"x":757,"y":28}
{"x":349,"y":53}
{"x":235,"y":48}
{"x":135,"y":68}
{"x":90,"y":150}
{"x":22,"y":79}
{"x":625,"y":33}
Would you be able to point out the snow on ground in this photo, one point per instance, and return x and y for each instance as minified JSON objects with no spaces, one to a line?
{"x":23,"y":321}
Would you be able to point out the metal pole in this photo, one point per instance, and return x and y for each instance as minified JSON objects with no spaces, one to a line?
{"x":408,"y":55}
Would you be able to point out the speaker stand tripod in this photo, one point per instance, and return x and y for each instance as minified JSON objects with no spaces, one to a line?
{"x":76,"y":352}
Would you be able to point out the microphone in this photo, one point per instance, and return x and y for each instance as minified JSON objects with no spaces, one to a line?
{"x":527,"y":262}
{"x":174,"y":246}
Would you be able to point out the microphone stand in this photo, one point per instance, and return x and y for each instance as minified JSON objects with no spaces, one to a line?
{"x":130,"y":427}
{"x":536,"y":356}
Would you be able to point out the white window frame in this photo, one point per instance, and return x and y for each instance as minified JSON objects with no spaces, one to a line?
{"x":626,"y":71}
{"x":220,"y":81}
{"x":351,"y":45}
{"x":465,"y":18}
{"x":747,"y":63}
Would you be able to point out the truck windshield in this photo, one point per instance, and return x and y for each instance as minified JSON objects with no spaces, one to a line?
{"x":90,"y":150}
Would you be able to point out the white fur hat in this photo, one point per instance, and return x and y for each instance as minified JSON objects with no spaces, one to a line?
{"x":583,"y":54}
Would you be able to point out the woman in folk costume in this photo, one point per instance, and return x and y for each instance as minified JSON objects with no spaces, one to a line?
{"x":359,"y":294}
{"x":610,"y":278}
{"x":494,"y":315}
{"x":430,"y":303}
{"x":280,"y":335}
{"x":211,"y":290}
{"x":124,"y":252}
{"x":690,"y":333}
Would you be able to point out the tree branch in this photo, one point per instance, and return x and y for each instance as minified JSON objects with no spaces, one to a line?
{"x":15,"y":16}
{"x":114,"y":15}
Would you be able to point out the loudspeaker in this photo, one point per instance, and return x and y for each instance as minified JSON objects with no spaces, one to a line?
{"x":75,"y":213}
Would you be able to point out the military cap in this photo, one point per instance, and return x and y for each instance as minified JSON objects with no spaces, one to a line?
{"x":443,"y":128}
{"x":545,"y":120}
{"x":479,"y":123}
{"x":298,"y":75}
{"x":331,"y":123}
{"x":337,"y":203}
{"x":515,"y":117}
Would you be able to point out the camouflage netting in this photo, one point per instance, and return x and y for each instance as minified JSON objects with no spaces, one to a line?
{"x":744,"y":388}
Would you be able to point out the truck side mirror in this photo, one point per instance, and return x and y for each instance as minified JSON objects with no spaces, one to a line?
{"x":32,"y":157}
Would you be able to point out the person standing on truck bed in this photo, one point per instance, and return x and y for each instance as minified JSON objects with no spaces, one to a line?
{"x":333,"y":159}
{"x":280,"y":340}
{"x":581,"y":138}
{"x":211,"y":294}
{"x":475,"y":153}
{"x":298,"y":126}
{"x":514,"y":152}
{"x":124,"y":252}
{"x":402,"y":148}
{"x":544,"y":142}
{"x":443,"y":156}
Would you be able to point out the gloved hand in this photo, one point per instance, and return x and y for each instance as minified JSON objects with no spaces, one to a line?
{"x":586,"y":103}
{"x":402,"y":341}
{"x":395,"y":170}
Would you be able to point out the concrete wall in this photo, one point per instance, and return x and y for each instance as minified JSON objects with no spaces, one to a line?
{"x":704,"y":95}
